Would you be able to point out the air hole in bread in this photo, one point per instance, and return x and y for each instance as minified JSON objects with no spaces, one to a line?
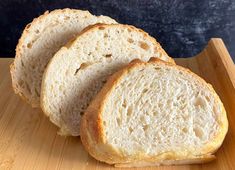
{"x":115,"y":140}
{"x":29,"y":45}
{"x":82,"y":66}
{"x":101,"y":28}
{"x":60,"y":87}
{"x":37,"y":31}
{"x":129,"y":111}
{"x":22,"y":64}
{"x":185,"y":130}
{"x":142,"y":119}
{"x":163,"y":130}
{"x":215,"y":110}
{"x":76,"y":71}
{"x":118,"y":121}
{"x":145,"y":90}
{"x":130,"y":40}
{"x":145,"y":127}
{"x":81,"y":113}
{"x":160,"y":105}
{"x":130,"y":129}
{"x":199,"y":102}
{"x":105,"y":35}
{"x":208,"y":98}
{"x":44,"y":66}
{"x":198,"y":132}
{"x":104,"y":81}
{"x":66,"y":18}
{"x":89,"y":53}
{"x":143,"y":45}
{"x":155,"y":113}
{"x":179,"y":97}
{"x":157,"y":68}
{"x":124,"y":104}
{"x":108,"y":56}
{"x":104,"y":123}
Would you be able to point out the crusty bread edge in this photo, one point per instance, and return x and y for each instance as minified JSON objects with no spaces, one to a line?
{"x":25,"y":33}
{"x":196,"y":160}
{"x":18,"y":51}
{"x":93,"y":137}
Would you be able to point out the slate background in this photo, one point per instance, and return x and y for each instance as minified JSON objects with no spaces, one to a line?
{"x":182,"y":27}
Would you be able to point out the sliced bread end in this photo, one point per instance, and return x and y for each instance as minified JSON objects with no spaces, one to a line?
{"x":122,"y":127}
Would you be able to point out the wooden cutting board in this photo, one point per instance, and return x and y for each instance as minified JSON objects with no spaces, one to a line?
{"x":29,"y":141}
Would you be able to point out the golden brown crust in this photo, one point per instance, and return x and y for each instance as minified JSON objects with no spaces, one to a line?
{"x":96,"y":107}
{"x":195,"y":160}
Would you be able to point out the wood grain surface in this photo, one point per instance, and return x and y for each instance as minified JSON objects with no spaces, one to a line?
{"x":29,"y":141}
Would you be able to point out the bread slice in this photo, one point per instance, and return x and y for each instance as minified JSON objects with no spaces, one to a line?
{"x":39,"y":42}
{"x":77,"y":72}
{"x":154,"y":113}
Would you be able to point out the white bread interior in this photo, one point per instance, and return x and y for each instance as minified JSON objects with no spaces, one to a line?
{"x":78,"y":71}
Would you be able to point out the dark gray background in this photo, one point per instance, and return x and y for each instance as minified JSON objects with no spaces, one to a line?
{"x":182,"y":27}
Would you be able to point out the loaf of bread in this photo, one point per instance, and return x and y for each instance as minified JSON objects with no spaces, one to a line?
{"x":154,"y":113}
{"x":39,"y":42}
{"x":78,"y":71}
